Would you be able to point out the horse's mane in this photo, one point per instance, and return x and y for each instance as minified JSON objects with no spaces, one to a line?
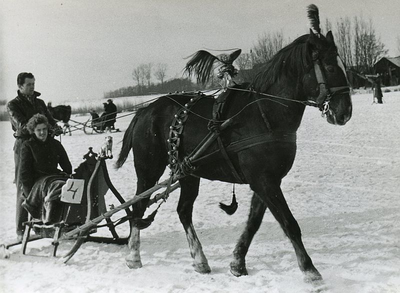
{"x":290,"y":61}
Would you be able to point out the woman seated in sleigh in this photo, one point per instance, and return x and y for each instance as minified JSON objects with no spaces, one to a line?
{"x":39,"y":174}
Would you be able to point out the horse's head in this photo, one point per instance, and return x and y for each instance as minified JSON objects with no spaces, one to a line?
{"x":326,"y":84}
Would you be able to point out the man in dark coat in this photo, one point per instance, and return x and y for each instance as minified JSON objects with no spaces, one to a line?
{"x":109,"y":116}
{"x":377,"y":87}
{"x":376,"y":81}
{"x":111,"y":110}
{"x":20,"y":110}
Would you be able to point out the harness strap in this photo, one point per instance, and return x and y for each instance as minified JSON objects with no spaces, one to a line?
{"x":264,"y":116}
{"x":218,"y":108}
{"x":228,"y":160}
{"x":249,"y":142}
{"x":323,"y":92}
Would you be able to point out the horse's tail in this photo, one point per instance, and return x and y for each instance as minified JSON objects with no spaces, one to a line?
{"x":127,"y":142}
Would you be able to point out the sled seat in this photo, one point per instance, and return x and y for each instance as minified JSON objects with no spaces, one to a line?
{"x":71,"y":199}
{"x":72,"y":207}
{"x":82,"y":199}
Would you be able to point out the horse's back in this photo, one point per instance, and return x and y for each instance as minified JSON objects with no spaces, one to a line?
{"x":158,"y":116}
{"x":150,"y":129}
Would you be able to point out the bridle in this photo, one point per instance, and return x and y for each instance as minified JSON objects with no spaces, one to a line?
{"x":325,"y":93}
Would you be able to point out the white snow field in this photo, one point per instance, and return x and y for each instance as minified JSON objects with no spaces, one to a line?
{"x":344,"y":190}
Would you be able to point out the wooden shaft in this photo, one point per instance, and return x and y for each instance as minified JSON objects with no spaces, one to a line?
{"x":162,"y":195}
{"x":209,"y":141}
{"x":108,"y":214}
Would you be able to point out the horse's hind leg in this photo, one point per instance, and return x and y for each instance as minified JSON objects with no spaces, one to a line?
{"x":257,"y":211}
{"x":189,"y":191}
{"x":272,"y":195}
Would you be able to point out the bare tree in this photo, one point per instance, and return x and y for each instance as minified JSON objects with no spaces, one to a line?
{"x":160,"y":72}
{"x":328,"y":25}
{"x":267,"y":46}
{"x":142,"y":70}
{"x":147,"y":68}
{"x":398,"y":44}
{"x":344,"y":40}
{"x":244,"y":61}
{"x":367,"y":46}
{"x":137,"y":75}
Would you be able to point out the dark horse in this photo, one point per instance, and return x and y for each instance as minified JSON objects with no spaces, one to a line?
{"x":61,"y":113}
{"x":257,"y":148}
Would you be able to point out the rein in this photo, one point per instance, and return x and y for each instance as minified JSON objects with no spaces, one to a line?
{"x":185,"y":167}
{"x":249,"y":142}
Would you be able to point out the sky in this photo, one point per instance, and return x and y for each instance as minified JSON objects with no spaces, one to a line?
{"x":80,"y":49}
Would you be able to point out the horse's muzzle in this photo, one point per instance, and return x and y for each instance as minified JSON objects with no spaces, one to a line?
{"x":340,"y":118}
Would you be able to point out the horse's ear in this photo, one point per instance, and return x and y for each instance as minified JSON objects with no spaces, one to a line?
{"x":329,"y":37}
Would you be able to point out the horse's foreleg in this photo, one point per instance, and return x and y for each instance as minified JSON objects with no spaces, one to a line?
{"x":257,"y":211}
{"x":189,"y":192}
{"x":271,"y":193}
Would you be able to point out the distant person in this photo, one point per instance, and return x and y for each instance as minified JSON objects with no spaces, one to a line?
{"x":109,"y":116}
{"x":20,"y":110}
{"x":112,"y":113}
{"x":40,"y":157}
{"x":94,"y":115}
{"x":377,"y":88}
{"x":95,"y":123}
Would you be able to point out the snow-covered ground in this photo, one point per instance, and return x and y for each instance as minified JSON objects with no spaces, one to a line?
{"x":344,"y":190}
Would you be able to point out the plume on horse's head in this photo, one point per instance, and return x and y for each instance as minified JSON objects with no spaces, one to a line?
{"x":203,"y":63}
{"x":313,"y":16}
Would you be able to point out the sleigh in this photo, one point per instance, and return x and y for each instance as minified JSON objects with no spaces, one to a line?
{"x":84,"y":212}
{"x":82,"y":199}
{"x":91,"y":126}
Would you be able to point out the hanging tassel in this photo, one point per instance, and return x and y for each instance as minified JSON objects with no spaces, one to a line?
{"x":145,"y":223}
{"x":230,"y":209}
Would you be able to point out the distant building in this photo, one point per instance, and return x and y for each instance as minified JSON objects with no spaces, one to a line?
{"x":389,"y":68}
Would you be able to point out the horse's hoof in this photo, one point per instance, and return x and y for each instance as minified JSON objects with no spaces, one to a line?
{"x":238,"y":269}
{"x":202,"y":268}
{"x":137,"y":264}
{"x":312,"y":276}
